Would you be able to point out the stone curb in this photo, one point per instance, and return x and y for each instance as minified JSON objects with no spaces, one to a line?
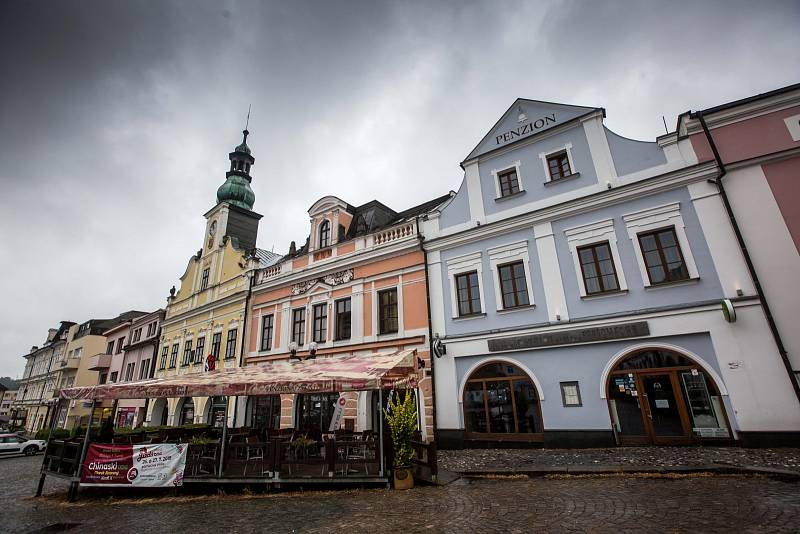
{"x":631,"y":469}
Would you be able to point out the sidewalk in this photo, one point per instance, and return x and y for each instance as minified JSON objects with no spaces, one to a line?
{"x":538,"y":462}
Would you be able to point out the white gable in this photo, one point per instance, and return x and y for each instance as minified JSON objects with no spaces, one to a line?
{"x":524,"y":119}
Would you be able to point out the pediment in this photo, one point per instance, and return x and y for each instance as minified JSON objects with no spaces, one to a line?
{"x":326,"y":204}
{"x":526,"y":118}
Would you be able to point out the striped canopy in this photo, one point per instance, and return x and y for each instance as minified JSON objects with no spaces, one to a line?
{"x":322,"y":375}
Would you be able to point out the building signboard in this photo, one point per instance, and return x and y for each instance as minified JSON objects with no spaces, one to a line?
{"x":570,"y":337}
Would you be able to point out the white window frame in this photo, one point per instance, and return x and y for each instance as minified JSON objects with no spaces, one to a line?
{"x":460,"y":265}
{"x":313,"y":301}
{"x":496,"y":177}
{"x":590,"y":234}
{"x":653,"y":219}
{"x":544,"y":155}
{"x":261,"y":318}
{"x":376,"y":311}
{"x":510,"y":253}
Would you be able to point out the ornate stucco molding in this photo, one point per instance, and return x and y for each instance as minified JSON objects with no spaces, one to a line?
{"x":333,"y":279}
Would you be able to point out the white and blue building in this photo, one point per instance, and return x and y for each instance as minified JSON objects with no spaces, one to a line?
{"x":588,"y":290}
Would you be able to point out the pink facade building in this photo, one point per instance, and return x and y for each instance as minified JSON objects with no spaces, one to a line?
{"x":756,"y":144}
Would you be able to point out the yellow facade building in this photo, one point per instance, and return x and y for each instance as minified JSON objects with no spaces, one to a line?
{"x":204,"y":325}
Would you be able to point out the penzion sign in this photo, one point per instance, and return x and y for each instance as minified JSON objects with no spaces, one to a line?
{"x":525,"y":129}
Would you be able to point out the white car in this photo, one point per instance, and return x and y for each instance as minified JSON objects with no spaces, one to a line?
{"x":15,"y":444}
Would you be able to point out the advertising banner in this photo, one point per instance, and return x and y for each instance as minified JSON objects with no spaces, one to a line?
{"x":338,"y":412}
{"x":157,"y":465}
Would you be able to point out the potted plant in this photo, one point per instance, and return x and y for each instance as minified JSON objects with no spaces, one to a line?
{"x":402,"y":419}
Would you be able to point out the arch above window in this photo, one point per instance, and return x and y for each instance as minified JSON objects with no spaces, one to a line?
{"x":500,"y":398}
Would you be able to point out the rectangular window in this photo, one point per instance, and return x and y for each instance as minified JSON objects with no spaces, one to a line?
{"x":513,"y":285}
{"x":137,"y":335}
{"x":387,"y":300}
{"x":199,"y":350}
{"x":509,"y":183}
{"x":216,"y":341}
{"x":342,"y":318}
{"x":120,"y":343}
{"x":571,"y":394}
{"x":129,"y":371}
{"x":299,"y":326}
{"x":558,"y":164}
{"x":105,"y":380}
{"x":144,"y":369}
{"x":173,"y":356}
{"x":663,"y":256}
{"x":204,"y":280}
{"x":597,"y":268}
{"x":163,"y":363}
{"x":187,"y":352}
{"x":267,"y":326}
{"x":110,"y":347}
{"x":230,"y":346}
{"x":151,"y":329}
{"x":320,"y":331}
{"x":469,"y":296}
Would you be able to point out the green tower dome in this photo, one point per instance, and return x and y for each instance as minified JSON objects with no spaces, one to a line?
{"x":236,"y":189}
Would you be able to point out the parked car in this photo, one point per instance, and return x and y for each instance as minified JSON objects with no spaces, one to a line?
{"x":15,"y":444}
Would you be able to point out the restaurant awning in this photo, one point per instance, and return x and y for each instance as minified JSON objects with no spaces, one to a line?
{"x":321,"y":375}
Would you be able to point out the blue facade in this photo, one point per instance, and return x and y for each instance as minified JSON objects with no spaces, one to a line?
{"x":703,"y":289}
{"x":544,"y":225}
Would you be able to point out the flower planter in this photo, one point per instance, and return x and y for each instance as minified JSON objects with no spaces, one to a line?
{"x":403,"y":478}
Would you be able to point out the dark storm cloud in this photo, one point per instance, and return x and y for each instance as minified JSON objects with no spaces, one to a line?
{"x":116,"y":117}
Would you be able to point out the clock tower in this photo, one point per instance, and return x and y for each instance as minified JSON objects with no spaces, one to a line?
{"x":233,"y":217}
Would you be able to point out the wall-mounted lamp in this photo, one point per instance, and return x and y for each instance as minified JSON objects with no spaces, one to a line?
{"x":312,"y":350}
{"x":293,"y":350}
{"x":439,"y":348}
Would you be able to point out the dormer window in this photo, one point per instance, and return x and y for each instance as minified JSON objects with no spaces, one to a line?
{"x":324,"y":234}
{"x":509,"y":183}
{"x":558,"y":165}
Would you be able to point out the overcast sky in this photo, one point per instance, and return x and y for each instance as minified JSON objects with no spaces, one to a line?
{"x":116,"y":118}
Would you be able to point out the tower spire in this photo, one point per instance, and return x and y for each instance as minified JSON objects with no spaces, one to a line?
{"x":236,"y":189}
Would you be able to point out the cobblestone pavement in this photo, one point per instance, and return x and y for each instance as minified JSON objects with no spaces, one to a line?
{"x":572,"y":504}
{"x":488,"y":459}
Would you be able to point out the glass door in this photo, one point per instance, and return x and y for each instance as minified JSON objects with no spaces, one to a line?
{"x":664,"y":407}
{"x":625,"y":405}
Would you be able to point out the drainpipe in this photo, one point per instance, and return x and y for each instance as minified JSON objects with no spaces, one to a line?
{"x":245,"y":338}
{"x":421,"y":239}
{"x":748,"y":260}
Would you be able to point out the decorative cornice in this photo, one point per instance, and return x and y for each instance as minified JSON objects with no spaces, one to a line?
{"x":333,"y":279}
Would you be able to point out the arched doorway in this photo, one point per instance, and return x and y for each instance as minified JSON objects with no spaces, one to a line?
{"x":160,"y":413}
{"x":661,"y":397}
{"x":264,"y":411}
{"x":501,"y":403}
{"x":186,"y":414}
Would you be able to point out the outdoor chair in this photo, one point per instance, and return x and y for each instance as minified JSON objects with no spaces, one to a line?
{"x":208,"y":459}
{"x":255,"y":453}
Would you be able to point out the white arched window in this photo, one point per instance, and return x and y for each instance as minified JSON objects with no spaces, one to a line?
{"x":324,"y":234}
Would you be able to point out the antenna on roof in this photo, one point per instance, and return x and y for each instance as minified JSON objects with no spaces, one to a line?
{"x":248,"y":116}
{"x":662,"y":118}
